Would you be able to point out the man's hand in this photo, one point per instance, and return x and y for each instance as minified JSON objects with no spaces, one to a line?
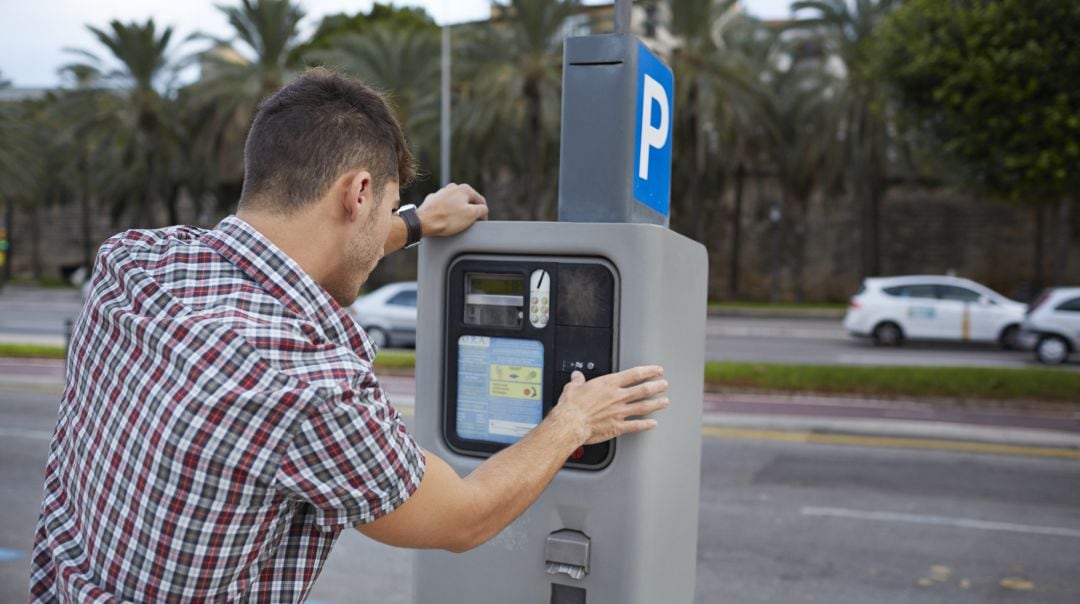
{"x":607,"y":406}
{"x":451,"y":210}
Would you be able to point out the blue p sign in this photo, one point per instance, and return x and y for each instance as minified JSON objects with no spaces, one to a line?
{"x":652,"y":149}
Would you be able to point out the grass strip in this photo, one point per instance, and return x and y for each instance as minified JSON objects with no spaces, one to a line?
{"x":1034,"y":384}
{"x":1031,"y":384}
{"x":31,"y":351}
{"x":396,"y":361}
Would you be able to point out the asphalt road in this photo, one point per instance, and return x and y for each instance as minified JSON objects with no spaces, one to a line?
{"x":37,"y":315}
{"x":780,"y":522}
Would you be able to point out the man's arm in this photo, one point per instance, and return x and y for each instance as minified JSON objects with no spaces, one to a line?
{"x":446,"y":212}
{"x":448,"y":512}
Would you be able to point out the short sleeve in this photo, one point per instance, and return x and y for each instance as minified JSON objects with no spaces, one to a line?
{"x":352,"y":459}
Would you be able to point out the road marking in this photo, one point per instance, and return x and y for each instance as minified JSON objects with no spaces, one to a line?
{"x":892,"y":442}
{"x":25,"y":433}
{"x":43,"y":387}
{"x":931,"y":520}
{"x":10,"y":554}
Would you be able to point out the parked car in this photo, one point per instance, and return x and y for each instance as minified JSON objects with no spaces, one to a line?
{"x":933,"y":307}
{"x":1052,"y":325}
{"x":388,"y":315}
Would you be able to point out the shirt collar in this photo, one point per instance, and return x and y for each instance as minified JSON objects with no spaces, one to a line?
{"x":273,"y":270}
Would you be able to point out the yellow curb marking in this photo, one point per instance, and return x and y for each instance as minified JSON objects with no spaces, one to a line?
{"x":888,"y":441}
{"x":1017,"y":583}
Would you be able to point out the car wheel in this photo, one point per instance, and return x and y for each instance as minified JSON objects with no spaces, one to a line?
{"x":1010,"y":338}
{"x":378,"y":337}
{"x":888,"y":334}
{"x":1052,"y":350}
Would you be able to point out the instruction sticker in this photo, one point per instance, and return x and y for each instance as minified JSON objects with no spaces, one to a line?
{"x":500,"y":382}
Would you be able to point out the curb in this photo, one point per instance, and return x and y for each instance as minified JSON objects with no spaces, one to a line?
{"x":1025,"y":437}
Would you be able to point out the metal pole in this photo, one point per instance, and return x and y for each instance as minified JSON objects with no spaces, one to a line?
{"x":774,"y":219}
{"x":444,"y":135}
{"x":622,"y":16}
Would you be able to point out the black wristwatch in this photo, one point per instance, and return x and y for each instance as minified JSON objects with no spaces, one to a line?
{"x":412,"y":224}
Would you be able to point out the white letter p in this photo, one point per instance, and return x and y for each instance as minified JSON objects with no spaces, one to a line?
{"x":650,"y":136}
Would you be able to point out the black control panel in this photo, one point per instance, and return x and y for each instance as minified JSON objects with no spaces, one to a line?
{"x":517,"y":327}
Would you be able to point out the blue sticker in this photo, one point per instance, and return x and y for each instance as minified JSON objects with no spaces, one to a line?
{"x":500,"y":388}
{"x":652,"y":134}
{"x":921,"y":312}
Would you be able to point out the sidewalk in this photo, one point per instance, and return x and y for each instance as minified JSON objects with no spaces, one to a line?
{"x":991,"y":422}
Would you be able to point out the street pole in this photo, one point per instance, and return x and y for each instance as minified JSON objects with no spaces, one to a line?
{"x":444,"y":131}
{"x":774,"y":220}
{"x":622,"y":17}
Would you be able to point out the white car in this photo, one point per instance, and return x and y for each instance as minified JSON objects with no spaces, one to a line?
{"x":388,"y":315}
{"x":933,"y":307}
{"x":1053,"y":325}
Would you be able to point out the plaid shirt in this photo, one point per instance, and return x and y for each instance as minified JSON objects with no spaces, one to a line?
{"x":221,"y":425}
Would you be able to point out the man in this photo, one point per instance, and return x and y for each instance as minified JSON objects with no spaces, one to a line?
{"x":222,"y":423}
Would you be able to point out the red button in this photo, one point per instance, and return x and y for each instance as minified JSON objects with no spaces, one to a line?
{"x":578,"y":453}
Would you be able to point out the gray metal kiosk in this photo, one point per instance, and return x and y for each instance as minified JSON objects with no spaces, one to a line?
{"x":509,"y":309}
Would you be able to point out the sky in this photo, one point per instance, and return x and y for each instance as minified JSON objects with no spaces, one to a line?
{"x":34,"y":33}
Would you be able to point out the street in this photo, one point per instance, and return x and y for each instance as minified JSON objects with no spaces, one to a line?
{"x":824,"y":341}
{"x":780,"y":521}
{"x":36,"y":315}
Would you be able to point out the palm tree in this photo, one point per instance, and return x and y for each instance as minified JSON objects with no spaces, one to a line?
{"x":19,"y":168}
{"x":237,"y":74}
{"x":509,"y":103}
{"x":802,"y":123}
{"x":127,"y":117}
{"x":847,"y":28}
{"x":721,"y":106}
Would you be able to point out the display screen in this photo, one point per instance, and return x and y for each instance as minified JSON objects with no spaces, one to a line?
{"x":494,"y":300}
{"x":499,"y":388}
{"x":495,"y":285}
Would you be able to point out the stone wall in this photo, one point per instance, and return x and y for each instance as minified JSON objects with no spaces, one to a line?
{"x":931,"y":231}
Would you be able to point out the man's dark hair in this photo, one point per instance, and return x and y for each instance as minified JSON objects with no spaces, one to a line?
{"x":308,"y":133}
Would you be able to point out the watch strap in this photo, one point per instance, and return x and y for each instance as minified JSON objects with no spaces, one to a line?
{"x":415,"y":231}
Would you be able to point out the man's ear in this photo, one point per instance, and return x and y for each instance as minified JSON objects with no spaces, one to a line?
{"x":357,"y":196}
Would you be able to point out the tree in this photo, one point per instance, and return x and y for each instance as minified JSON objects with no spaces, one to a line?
{"x":237,"y":74}
{"x":706,"y":87}
{"x":128,"y":117}
{"x":993,"y":85}
{"x":802,"y":122}
{"x":508,"y":105}
{"x":848,"y":28}
{"x":381,"y":16}
{"x":20,"y":160}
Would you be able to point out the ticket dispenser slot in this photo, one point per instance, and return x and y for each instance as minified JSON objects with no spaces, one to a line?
{"x":517,"y":327}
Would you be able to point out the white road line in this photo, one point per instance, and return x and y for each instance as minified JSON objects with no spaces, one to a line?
{"x":25,"y":433}
{"x":970,"y":523}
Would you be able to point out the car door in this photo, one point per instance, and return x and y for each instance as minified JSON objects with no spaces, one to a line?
{"x":1067,"y":315}
{"x":919,"y":310}
{"x":955,"y":307}
{"x":401,"y":314}
{"x":989,"y":317}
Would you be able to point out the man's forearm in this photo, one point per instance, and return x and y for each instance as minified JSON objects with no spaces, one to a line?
{"x":505,"y":485}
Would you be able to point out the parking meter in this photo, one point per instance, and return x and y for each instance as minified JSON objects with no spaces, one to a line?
{"x":508,"y":310}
